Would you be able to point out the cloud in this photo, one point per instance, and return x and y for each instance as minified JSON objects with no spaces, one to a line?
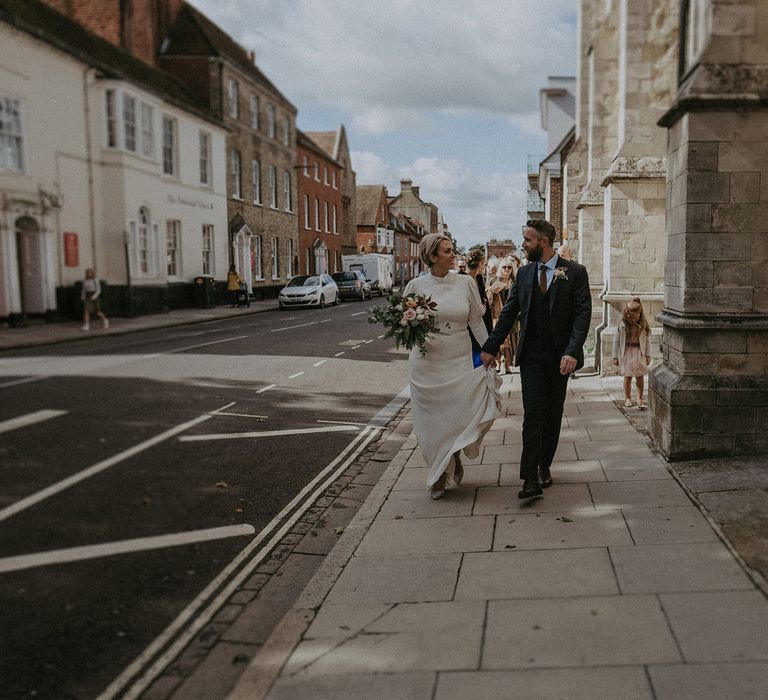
{"x":475,"y":207}
{"x":385,"y":64}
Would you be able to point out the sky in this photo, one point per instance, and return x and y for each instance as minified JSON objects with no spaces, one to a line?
{"x":444,"y":92}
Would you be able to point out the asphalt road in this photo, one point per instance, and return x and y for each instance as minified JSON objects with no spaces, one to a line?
{"x":139,"y":437}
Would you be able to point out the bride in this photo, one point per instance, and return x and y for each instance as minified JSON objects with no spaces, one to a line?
{"x":453,"y":403}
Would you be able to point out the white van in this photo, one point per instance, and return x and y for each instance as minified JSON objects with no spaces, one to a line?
{"x":376,"y":267}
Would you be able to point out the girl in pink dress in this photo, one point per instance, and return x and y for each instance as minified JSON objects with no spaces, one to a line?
{"x":633,"y":345}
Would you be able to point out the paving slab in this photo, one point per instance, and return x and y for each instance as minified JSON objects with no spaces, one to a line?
{"x":515,"y":437}
{"x":418,"y":504}
{"x":560,"y":497}
{"x":417,"y":458}
{"x":217,"y":674}
{"x":669,"y":525}
{"x":611,"y":448}
{"x":605,"y":631}
{"x":511,"y":453}
{"x":561,"y":530}
{"x":731,"y":626}
{"x":628,"y":683}
{"x":536,"y":574}
{"x":562,"y":472}
{"x":428,"y":536}
{"x":384,"y":686}
{"x":663,"y":568}
{"x":660,"y":493}
{"x":737,"y":681}
{"x":408,"y":579}
{"x":410,"y":637}
{"x":632,"y":471}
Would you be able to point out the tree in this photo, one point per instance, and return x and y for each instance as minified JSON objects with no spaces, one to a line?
{"x":477,"y":246}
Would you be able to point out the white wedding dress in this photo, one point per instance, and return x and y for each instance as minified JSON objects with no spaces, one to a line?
{"x":453,"y":403}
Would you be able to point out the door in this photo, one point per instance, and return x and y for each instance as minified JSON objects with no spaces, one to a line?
{"x":30,"y":250}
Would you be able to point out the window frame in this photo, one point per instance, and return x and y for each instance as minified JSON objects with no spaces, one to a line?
{"x":233,"y":98}
{"x":147,"y":113}
{"x":257,"y":251}
{"x":129,"y":123}
{"x":254,"y":101}
{"x":286,"y":130}
{"x":317,"y":214}
{"x":173,"y":231}
{"x":207,"y":249}
{"x":256,"y":181}
{"x":287,"y":191}
{"x":272,"y":180}
{"x":271,"y":127}
{"x":307,"y":219}
{"x":236,"y":173}
{"x":275,"y":243}
{"x":17,"y":141}
{"x":174,"y":147}
{"x":206,"y":179}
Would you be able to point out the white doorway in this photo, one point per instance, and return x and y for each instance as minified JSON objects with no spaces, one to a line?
{"x":241,"y":255}
{"x":321,"y":257}
{"x":30,"y":250}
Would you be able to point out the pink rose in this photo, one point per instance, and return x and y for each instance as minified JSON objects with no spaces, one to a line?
{"x":409,"y":315}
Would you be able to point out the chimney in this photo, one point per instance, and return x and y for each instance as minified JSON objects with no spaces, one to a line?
{"x":252,"y":56}
{"x":405,"y":185}
{"x":415,"y":190}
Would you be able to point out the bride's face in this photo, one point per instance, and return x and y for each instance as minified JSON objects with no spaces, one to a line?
{"x":445,"y":258}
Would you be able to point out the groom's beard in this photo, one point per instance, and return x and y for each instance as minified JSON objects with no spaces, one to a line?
{"x":534,"y":255}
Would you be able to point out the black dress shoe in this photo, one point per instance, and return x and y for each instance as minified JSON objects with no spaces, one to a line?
{"x":546,"y":478}
{"x":531,"y":488}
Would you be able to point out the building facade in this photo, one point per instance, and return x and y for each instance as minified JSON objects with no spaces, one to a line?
{"x":318,"y":178}
{"x":375,"y":233}
{"x":262,"y":224}
{"x":335,"y":144}
{"x":407,"y":234}
{"x":117,"y":186}
{"x":497,"y":248}
{"x":410,"y":203}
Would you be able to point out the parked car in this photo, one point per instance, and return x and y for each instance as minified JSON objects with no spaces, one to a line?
{"x":309,"y":290}
{"x":376,"y":267}
{"x":353,"y":285}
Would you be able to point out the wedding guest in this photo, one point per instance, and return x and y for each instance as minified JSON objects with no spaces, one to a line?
{"x":632,"y":344}
{"x":565,"y":252}
{"x":475,"y":269}
{"x":498,"y":290}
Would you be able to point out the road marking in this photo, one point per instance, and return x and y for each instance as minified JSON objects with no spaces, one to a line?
{"x":219,"y":410}
{"x":266,"y":388}
{"x":127,"y":686}
{"x":381,"y":336}
{"x":199,"y":345}
{"x":345,"y":427}
{"x":300,"y":325}
{"x":339,"y":354}
{"x":239,"y":415}
{"x":385,"y":414}
{"x":356,"y":347}
{"x":359,"y":313}
{"x":322,"y":362}
{"x":140,"y":544}
{"x":368,"y":341}
{"x":341,"y":422}
{"x":298,"y":374}
{"x":27,"y":380}
{"x":59,"y":486}
{"x":29,"y":419}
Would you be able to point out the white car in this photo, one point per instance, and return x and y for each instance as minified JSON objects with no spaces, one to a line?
{"x":309,"y":290}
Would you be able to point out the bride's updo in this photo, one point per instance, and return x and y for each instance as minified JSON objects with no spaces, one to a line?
{"x":429,"y":245}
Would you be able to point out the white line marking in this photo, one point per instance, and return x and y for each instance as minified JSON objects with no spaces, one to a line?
{"x":356,"y":347}
{"x":368,"y":341}
{"x":200,"y":345}
{"x":120,"y":686}
{"x":266,"y":388}
{"x":140,"y":544}
{"x":298,"y":374}
{"x":300,"y":325}
{"x":219,"y":410}
{"x":322,"y":362}
{"x":239,"y":415}
{"x":29,"y":419}
{"x":341,"y":422}
{"x":345,"y":427}
{"x":358,"y":313}
{"x":59,"y":486}
{"x":27,"y":380}
{"x":381,"y":336}
{"x":339,"y":354}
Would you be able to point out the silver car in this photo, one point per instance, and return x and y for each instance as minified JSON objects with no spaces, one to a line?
{"x":309,"y":290}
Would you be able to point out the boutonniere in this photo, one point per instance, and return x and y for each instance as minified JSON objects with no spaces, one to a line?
{"x":561,"y":273}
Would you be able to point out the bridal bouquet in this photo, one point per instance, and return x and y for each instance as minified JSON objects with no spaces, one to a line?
{"x":410,"y":319}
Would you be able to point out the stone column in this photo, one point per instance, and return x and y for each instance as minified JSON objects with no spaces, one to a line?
{"x":634,"y":243}
{"x":710,"y":396}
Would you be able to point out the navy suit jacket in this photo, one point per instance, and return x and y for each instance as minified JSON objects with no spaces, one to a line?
{"x":570,"y":311}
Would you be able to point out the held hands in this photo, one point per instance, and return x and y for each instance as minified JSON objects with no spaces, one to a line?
{"x":567,"y":364}
{"x":487,"y":359}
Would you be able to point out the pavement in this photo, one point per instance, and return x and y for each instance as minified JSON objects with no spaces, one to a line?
{"x":615,"y":584}
{"x":630,"y":578}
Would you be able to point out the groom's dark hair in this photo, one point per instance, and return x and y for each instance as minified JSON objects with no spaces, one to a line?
{"x":543,"y":228}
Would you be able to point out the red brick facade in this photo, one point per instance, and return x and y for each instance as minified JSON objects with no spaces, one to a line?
{"x":499,"y":248}
{"x":373,"y":218}
{"x":318,"y":180}
{"x":556,"y":205}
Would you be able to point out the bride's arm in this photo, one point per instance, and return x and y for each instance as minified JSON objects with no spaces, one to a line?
{"x":476,"y":310}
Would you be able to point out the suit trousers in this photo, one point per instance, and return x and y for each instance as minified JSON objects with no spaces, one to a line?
{"x":543,"y":389}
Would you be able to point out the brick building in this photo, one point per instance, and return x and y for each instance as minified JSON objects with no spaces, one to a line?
{"x":336,"y":146}
{"x":499,"y":248}
{"x":407,"y":234}
{"x":375,"y":234}
{"x":318,"y":178}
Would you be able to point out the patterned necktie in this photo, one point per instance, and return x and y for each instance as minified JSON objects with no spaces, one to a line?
{"x":543,"y":279}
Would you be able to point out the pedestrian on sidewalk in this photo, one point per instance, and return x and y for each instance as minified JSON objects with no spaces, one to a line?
{"x":552,"y":298}
{"x":233,"y":285}
{"x":632,"y":343}
{"x":90,"y":295}
{"x":454,"y":403}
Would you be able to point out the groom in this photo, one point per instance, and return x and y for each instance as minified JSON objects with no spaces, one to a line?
{"x":551,"y":296}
